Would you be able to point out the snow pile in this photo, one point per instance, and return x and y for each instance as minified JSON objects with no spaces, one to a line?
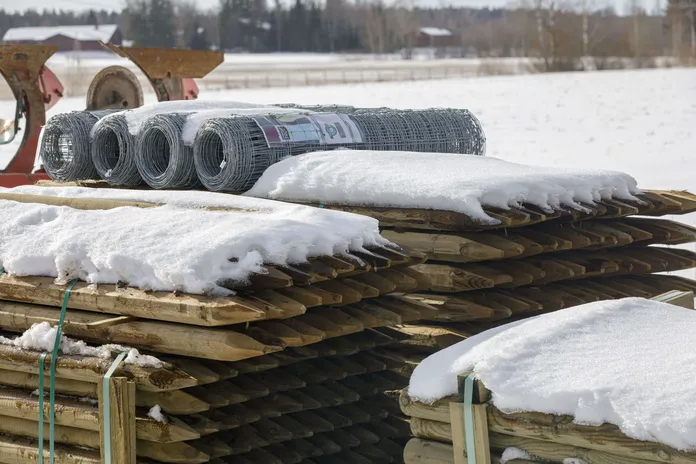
{"x":609,"y":361}
{"x":42,"y":337}
{"x":450,"y":182}
{"x":514,"y":453}
{"x":172,"y":248}
{"x":155,"y":413}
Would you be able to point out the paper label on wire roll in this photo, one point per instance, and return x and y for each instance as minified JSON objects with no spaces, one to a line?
{"x":315,"y":129}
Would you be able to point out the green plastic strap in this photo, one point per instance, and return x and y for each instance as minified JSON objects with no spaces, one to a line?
{"x":54,"y":358}
{"x":42,"y":361}
{"x":469,"y":419}
{"x":106,"y":406}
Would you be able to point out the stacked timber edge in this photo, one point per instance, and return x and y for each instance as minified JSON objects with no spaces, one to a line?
{"x":480,"y":276}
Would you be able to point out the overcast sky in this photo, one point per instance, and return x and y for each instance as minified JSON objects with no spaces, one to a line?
{"x":11,"y":5}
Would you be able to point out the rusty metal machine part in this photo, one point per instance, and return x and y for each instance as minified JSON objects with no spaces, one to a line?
{"x":114,"y":87}
{"x":171,"y":71}
{"x":35,"y":89}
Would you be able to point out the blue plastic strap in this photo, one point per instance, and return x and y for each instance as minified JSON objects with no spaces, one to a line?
{"x":106,"y":406}
{"x":42,"y":362}
{"x":54,"y":358}
{"x":469,"y":419}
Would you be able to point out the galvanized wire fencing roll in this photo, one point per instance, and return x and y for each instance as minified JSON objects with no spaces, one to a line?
{"x":65,"y":145}
{"x":162,"y":158}
{"x":113,"y":151}
{"x":231,"y":153}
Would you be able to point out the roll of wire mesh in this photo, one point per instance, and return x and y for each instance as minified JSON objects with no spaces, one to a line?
{"x":231,"y":153}
{"x":65,"y":145}
{"x":162,"y":158}
{"x":113,"y":150}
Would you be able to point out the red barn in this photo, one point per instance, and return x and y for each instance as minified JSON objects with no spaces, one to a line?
{"x":67,"y":38}
{"x":436,"y":37}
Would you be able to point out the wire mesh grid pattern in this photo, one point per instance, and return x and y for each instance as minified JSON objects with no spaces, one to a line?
{"x":65,"y":150}
{"x":113,"y":151}
{"x":231,"y":153}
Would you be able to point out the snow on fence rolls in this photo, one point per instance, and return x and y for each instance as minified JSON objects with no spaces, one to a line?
{"x":65,"y":145}
{"x":165,"y":155}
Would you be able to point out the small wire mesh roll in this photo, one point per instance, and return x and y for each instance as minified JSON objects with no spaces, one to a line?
{"x":65,"y":145}
{"x":162,"y":158}
{"x":113,"y":151}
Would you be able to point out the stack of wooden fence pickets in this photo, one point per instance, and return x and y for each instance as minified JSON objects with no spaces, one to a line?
{"x":439,"y":432}
{"x":535,"y":261}
{"x":291,"y":369}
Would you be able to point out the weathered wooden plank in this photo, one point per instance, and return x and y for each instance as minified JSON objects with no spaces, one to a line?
{"x":18,"y":450}
{"x":446,"y":247}
{"x":85,"y":415}
{"x":186,"y":309}
{"x":420,"y":451}
{"x":163,"y":337}
{"x":121,"y":417}
{"x":447,"y":278}
{"x":88,"y":369}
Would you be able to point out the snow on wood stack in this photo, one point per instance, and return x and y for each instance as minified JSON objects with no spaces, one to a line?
{"x":596,"y":384}
{"x":262,"y":323}
{"x":504,"y":241}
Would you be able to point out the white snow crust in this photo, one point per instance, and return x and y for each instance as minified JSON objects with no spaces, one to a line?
{"x":137,"y":116}
{"x":41,"y":336}
{"x":169,"y":247}
{"x":155,"y":413}
{"x":513,"y":453}
{"x":440,"y":181}
{"x":626,"y":362}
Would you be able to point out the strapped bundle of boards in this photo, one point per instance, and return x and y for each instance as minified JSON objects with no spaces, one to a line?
{"x":293,"y":368}
{"x":440,"y":436}
{"x":533,"y":262}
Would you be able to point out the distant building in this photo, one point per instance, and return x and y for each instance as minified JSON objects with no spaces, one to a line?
{"x":436,"y":37}
{"x":67,"y":38}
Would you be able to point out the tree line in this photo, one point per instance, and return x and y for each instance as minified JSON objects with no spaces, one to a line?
{"x":558,"y":34}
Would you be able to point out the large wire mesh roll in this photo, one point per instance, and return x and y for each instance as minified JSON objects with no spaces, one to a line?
{"x":113,"y":151}
{"x":162,"y":158}
{"x":65,"y":145}
{"x":231,"y":153}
